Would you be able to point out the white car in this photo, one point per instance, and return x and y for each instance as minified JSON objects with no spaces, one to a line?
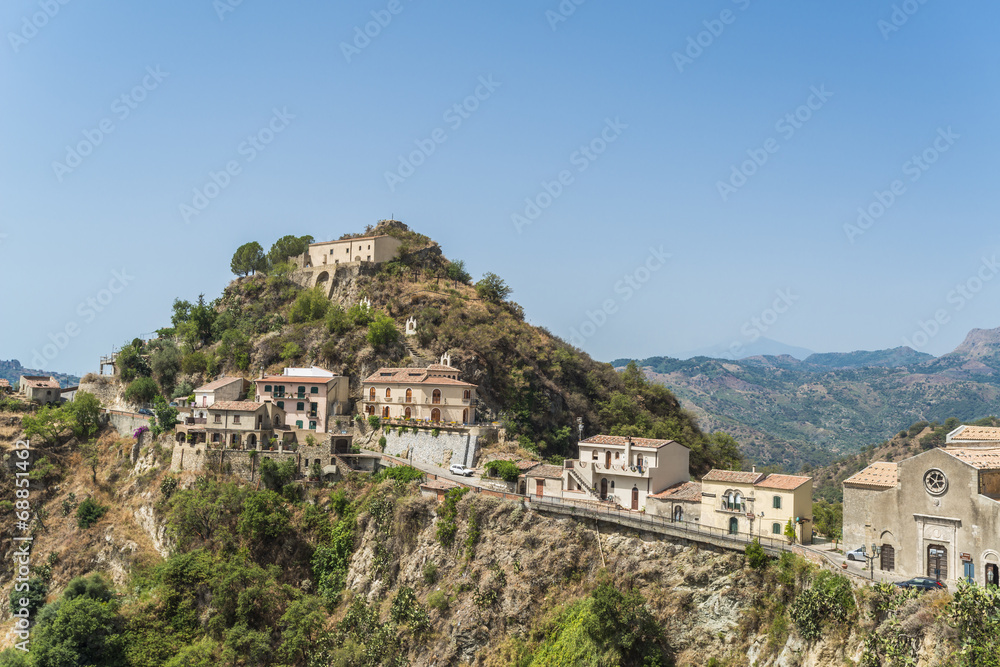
{"x":857,"y":554}
{"x":459,"y":469}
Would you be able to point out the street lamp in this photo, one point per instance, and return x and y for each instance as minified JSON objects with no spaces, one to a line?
{"x":759,"y":525}
{"x":871,"y":557}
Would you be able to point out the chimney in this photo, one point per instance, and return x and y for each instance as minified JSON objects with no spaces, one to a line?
{"x":628,"y":450}
{"x":753,"y":468}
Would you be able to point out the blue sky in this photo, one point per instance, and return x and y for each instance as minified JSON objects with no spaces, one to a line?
{"x":666,"y":120}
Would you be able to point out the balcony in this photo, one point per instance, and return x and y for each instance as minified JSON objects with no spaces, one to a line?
{"x":599,"y":467}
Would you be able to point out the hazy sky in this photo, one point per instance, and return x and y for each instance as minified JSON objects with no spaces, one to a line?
{"x":693,"y":164}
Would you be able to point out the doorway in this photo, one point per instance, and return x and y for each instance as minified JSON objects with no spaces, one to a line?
{"x":734,"y":526}
{"x":937,"y":562}
{"x":678,"y":513}
{"x":607,"y":460}
{"x":887,"y":557}
{"x":539,"y":487}
{"x":604,"y":489}
{"x":635,"y":498}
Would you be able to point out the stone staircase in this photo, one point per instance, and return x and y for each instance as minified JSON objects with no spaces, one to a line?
{"x":583,"y":484}
{"x":419,"y":360}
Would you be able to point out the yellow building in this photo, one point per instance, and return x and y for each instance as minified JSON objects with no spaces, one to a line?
{"x":757,"y":503}
{"x":376,"y":249}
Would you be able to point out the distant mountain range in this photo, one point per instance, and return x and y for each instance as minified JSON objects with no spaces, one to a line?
{"x":739,"y":350}
{"x":13,"y":370}
{"x":791,"y":411}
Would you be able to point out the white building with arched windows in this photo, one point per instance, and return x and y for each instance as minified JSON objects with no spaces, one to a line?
{"x":433,"y":394}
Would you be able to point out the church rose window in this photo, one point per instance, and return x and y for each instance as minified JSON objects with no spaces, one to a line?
{"x":935,"y":482}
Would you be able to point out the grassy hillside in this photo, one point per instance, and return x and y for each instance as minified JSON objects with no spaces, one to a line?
{"x":533,"y":383}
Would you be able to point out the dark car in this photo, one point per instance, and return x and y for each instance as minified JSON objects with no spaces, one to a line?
{"x":923,"y":584}
{"x":145,"y":411}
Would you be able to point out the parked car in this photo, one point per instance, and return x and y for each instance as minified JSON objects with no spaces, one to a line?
{"x":857,"y":554}
{"x":923,"y":584}
{"x":459,"y":469}
{"x":145,"y":411}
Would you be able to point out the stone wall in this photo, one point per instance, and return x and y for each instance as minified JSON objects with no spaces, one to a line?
{"x":106,"y":390}
{"x":239,"y":462}
{"x":444,"y":450}
{"x":126,"y":422}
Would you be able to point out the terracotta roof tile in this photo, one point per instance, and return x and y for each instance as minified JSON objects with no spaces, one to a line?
{"x":622,"y":440}
{"x":545,"y":470}
{"x":40,"y":382}
{"x":290,"y":379}
{"x":787,"y":482}
{"x":981,"y":459}
{"x":4,"y":382}
{"x":219,"y":384}
{"x":411,"y":376}
{"x":734,"y":476}
{"x":975,"y":434}
{"x":684,"y":491}
{"x":236,"y":406}
{"x":881,"y":474}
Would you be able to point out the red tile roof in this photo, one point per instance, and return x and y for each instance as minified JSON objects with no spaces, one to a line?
{"x":40,"y":382}
{"x":224,"y":381}
{"x":979,"y":458}
{"x":281,"y":379}
{"x":4,"y":382}
{"x":236,"y":406}
{"x":975,"y":434}
{"x":881,"y":474}
{"x":545,"y":470}
{"x":682,"y":491}
{"x":622,"y":440}
{"x":734,"y":476}
{"x":786,"y":482}
{"x":411,"y":376}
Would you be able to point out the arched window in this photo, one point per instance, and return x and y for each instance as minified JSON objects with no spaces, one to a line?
{"x":371,"y":394}
{"x":385,"y":412}
{"x":436,"y":396}
{"x":409,"y":395}
{"x":467,"y":395}
{"x":739,"y":502}
{"x":406,"y":413}
{"x":612,"y":486}
{"x":678,"y":513}
{"x":388,"y":392}
{"x":435,"y":415}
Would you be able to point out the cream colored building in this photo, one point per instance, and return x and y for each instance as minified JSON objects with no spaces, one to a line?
{"x":242,"y":424}
{"x":41,"y":388}
{"x":223,"y":389}
{"x":757,"y":503}
{"x":432,"y":394}
{"x":936,"y":514}
{"x":376,"y":249}
{"x":624,"y":469}
{"x":312,"y":399}
{"x":680,"y":502}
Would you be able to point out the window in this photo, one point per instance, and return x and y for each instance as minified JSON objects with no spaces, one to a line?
{"x":314,"y":390}
{"x":617,"y":454}
{"x":302,"y":391}
{"x":388,"y":392}
{"x":218,"y":419}
{"x":612,"y":486}
{"x":279,"y":391}
{"x":593,"y":456}
{"x":776,"y":528}
{"x":935,"y":482}
{"x":409,"y":395}
{"x":281,"y":405}
{"x":777,"y":503}
{"x":467,"y":395}
{"x":267,"y":387}
{"x":436,"y":396}
{"x":300,"y":406}
{"x":371,"y":394}
{"x":298,"y":423}
{"x":312,"y":425}
{"x":236,"y":419}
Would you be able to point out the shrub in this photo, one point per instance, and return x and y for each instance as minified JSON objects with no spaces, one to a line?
{"x":436,"y":432}
{"x":382,"y":331}
{"x":438,"y":600}
{"x":381,"y":443}
{"x":89,"y":512}
{"x":505,"y":470}
{"x":290,"y":351}
{"x":448,"y":513}
{"x":374,"y":421}
{"x":430,"y":573}
{"x":168,"y":486}
{"x":829,"y":599}
{"x":141,"y":391}
{"x":756,"y":558}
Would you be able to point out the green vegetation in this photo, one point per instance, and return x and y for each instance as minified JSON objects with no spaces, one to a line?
{"x":447,"y":514}
{"x":756,"y":558}
{"x":492,"y":288}
{"x":89,"y":512}
{"x":830,"y":599}
{"x":142,"y":391}
{"x":505,"y":470}
{"x":248,"y":258}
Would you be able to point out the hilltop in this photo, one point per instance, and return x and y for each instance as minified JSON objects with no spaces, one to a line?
{"x":532,"y":383}
{"x":789,"y":413}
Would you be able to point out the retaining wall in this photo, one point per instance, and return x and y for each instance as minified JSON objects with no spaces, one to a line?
{"x":443,"y":450}
{"x":126,"y":422}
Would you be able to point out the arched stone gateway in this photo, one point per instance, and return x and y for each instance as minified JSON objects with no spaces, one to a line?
{"x":322,"y":278}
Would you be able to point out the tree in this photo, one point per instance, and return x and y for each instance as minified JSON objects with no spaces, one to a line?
{"x":130,"y":362}
{"x":456,"y":271}
{"x":310,"y":305}
{"x":164,"y":416}
{"x":142,"y":391}
{"x":89,"y":512}
{"x":86,"y":412}
{"x":165,"y":363}
{"x":301,"y":626}
{"x":287,"y":246}
{"x":382,"y":331}
{"x":790,"y":531}
{"x":49,"y":424}
{"x":492,"y":288}
{"x":248,"y":258}
{"x":82,"y":631}
{"x":91,"y":457}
